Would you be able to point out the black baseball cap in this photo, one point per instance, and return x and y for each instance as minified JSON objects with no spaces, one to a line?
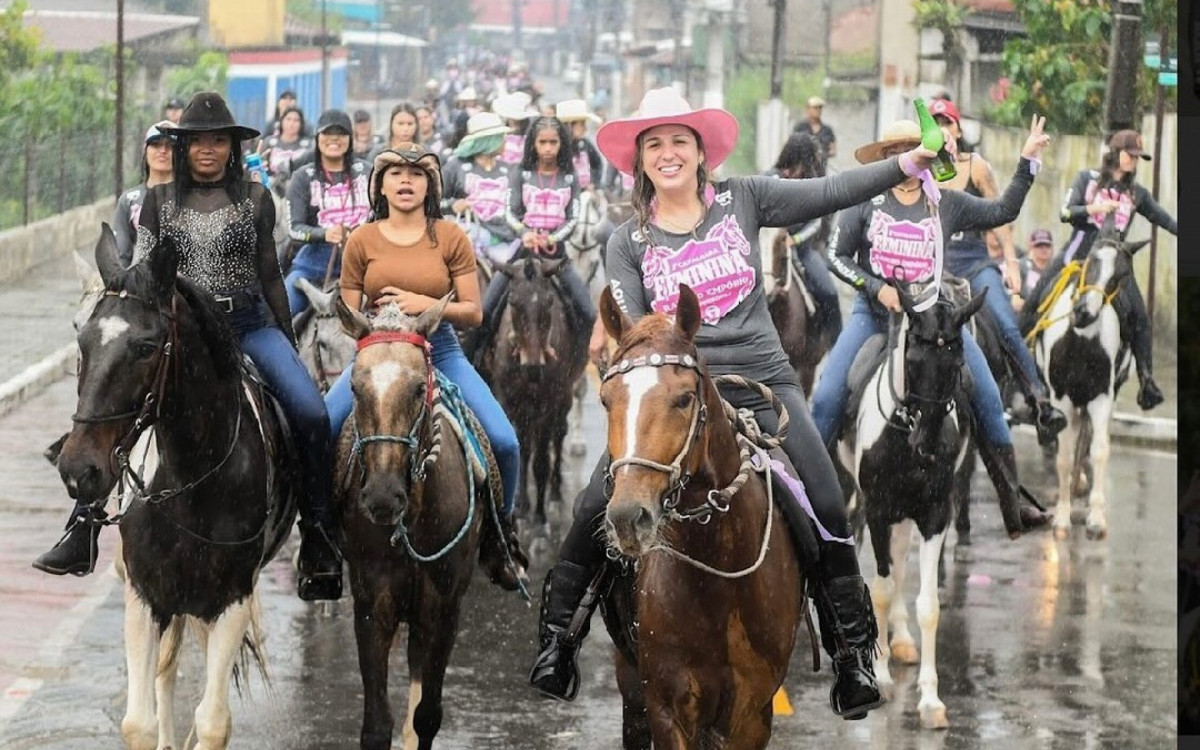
{"x":334,"y":118}
{"x":174,"y":103}
{"x":1041,"y":237}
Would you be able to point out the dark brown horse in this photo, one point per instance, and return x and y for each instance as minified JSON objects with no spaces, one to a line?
{"x":158,"y":354}
{"x":410,"y":516}
{"x":717,"y":587}
{"x":534,"y":364}
{"x":791,"y":308}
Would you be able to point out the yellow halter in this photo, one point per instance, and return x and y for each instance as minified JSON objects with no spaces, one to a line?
{"x":1073,"y":271}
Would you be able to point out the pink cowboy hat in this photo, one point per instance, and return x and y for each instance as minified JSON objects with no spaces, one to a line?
{"x":718,"y":129}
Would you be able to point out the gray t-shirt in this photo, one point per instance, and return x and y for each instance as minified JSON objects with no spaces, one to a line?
{"x":125,"y":221}
{"x":721,"y":262}
{"x":883,"y":238}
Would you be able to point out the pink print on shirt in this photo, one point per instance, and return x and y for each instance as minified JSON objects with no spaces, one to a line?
{"x":336,"y":205}
{"x":902,"y":250}
{"x":514,"y":149}
{"x":486,"y":196}
{"x":714,"y":267}
{"x":583,"y":169}
{"x":545,"y":208}
{"x":1124,"y":211}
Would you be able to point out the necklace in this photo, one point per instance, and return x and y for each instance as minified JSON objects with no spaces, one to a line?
{"x":681,"y":227}
{"x":912,"y":189}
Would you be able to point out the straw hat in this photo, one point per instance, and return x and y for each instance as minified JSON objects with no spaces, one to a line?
{"x":467,"y":95}
{"x":899,"y":133}
{"x":411,"y":154}
{"x":483,"y":124}
{"x":575,"y":110}
{"x":514,"y":106}
{"x":718,"y":129}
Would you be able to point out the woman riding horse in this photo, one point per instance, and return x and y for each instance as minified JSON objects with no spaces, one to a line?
{"x":221,"y":224}
{"x":413,"y":257}
{"x":1095,"y":194}
{"x":475,"y":180}
{"x":897,"y":235}
{"x":157,"y":169}
{"x":688,"y":230}
{"x":967,"y":257}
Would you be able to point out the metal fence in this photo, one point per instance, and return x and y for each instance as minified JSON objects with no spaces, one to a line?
{"x":59,"y":171}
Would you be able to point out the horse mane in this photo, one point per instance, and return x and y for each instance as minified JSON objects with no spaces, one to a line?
{"x":392,"y":318}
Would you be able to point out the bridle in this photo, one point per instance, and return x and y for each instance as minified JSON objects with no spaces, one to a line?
{"x":323,"y":372}
{"x":902,"y":417}
{"x":1082,"y":287}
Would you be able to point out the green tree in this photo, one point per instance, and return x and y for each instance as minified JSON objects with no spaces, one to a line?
{"x":18,"y":45}
{"x":1060,"y":68}
{"x":209,"y":73}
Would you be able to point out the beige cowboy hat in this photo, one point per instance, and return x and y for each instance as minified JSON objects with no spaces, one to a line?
{"x":718,"y":129}
{"x":899,"y":133}
{"x":575,"y":110}
{"x":413,"y":154}
{"x":515,"y":106}
{"x":816,"y":101}
{"x":483,"y":124}
{"x":467,"y":95}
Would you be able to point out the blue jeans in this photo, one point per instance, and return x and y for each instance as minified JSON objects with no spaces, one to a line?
{"x":998,"y":304}
{"x":448,"y":358}
{"x":832,"y":391}
{"x":820,"y":285}
{"x":281,"y":368}
{"x":311,"y":262}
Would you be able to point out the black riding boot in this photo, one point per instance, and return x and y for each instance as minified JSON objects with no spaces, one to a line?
{"x":320,"y":563}
{"x":497,"y":548}
{"x":77,"y":551}
{"x":1048,"y":420}
{"x":849,"y":634}
{"x":1017,"y":510}
{"x":555,"y":672}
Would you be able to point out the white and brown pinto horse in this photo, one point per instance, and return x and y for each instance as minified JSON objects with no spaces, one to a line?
{"x":1085,"y":362}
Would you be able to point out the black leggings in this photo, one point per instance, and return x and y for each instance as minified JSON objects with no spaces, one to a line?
{"x":803,"y":446}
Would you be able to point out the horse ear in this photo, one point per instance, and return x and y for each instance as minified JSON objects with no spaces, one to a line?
{"x":1133,"y":247}
{"x":551,"y":267}
{"x":320,"y":301}
{"x":687,"y":313}
{"x":615,"y":321}
{"x":107,"y":262}
{"x":963,"y":313}
{"x":89,"y":278}
{"x":428,"y":321}
{"x":164,"y":263}
{"x":505,"y":268}
{"x":354,"y":323}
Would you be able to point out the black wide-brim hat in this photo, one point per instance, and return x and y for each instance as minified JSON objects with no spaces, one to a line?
{"x":208,"y":113}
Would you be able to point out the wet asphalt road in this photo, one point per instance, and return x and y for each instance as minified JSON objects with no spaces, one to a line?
{"x":1042,"y":644}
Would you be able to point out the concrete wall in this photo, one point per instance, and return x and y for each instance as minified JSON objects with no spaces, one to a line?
{"x":1062,"y":161}
{"x":25,"y":247}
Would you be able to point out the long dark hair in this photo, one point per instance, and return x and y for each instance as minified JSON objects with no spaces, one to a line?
{"x":802,"y":153}
{"x":433,"y":207}
{"x":643,"y":188}
{"x":1108,"y":166}
{"x":565,"y":158}
{"x":237,"y":187}
{"x":299,"y":112}
{"x":410,"y":109}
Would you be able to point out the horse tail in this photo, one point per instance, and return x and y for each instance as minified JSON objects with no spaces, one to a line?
{"x":172,"y":641}
{"x":252,"y":651}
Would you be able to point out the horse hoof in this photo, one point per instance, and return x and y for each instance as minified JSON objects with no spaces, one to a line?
{"x":934,"y":717}
{"x":1060,"y":532}
{"x":887,"y":689}
{"x":905,"y":652}
{"x":1096,"y":532}
{"x":964,"y":538}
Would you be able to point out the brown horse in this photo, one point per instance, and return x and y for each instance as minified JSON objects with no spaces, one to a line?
{"x":718,"y":584}
{"x":534,"y":364}
{"x":791,"y":308}
{"x":410,"y":520}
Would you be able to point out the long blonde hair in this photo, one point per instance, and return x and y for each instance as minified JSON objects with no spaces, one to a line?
{"x":643,"y":188}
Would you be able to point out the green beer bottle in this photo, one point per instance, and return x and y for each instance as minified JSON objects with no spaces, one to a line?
{"x":931,"y":138}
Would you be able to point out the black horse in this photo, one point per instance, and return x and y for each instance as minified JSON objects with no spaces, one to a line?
{"x":157,"y":353}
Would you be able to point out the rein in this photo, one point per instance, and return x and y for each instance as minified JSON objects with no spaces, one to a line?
{"x":1070,"y":271}
{"x":749,"y":439}
{"x":418,"y":468}
{"x":901,"y":418}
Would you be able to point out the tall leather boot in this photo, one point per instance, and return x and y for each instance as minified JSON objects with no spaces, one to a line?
{"x":555,"y":671}
{"x":849,"y":634}
{"x":1048,"y":420}
{"x":77,"y":551}
{"x":1018,"y":513}
{"x":319,"y":563}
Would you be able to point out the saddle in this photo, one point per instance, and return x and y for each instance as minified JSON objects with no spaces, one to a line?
{"x":279,"y":443}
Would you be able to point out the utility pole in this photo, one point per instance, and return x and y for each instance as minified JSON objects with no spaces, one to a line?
{"x":777,"y":37}
{"x":119,"y":163}
{"x":1164,"y":57}
{"x":1124,"y":59}
{"x":324,"y":59}
{"x":516,"y":21}
{"x":825,"y":81}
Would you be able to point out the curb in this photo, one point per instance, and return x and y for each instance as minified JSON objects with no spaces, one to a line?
{"x":1133,"y":429}
{"x":37,"y":377}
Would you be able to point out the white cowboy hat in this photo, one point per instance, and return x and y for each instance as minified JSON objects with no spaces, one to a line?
{"x":718,"y":129}
{"x":575,"y":110}
{"x":483,"y":124}
{"x":514,"y":106}
{"x":467,"y":95}
{"x":899,"y":133}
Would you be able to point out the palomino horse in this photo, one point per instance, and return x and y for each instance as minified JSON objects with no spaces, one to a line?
{"x":324,"y":347}
{"x":906,"y":444}
{"x":792,"y":308}
{"x":718,"y":582}
{"x":1085,"y":362}
{"x":534,"y":363}
{"x":410,"y":514}
{"x":156,"y":352}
